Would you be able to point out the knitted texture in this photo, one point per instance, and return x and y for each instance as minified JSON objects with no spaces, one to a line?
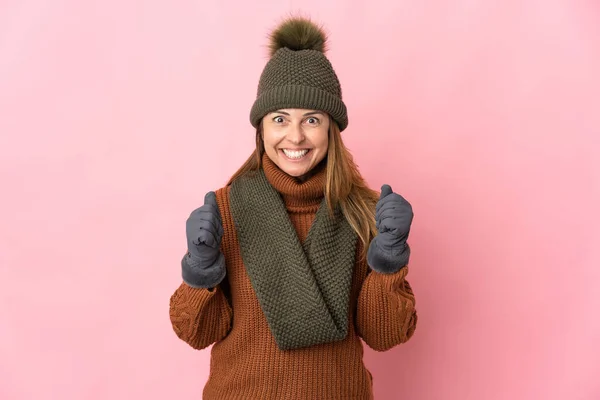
{"x":299,"y":79}
{"x":303,"y":289}
{"x":246,"y":362}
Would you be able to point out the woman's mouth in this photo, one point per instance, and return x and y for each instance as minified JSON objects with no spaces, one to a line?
{"x":295,"y":155}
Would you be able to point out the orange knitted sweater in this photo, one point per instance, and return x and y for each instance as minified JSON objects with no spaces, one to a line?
{"x":245,"y":360}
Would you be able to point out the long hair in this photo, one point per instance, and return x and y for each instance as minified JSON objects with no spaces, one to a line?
{"x":344,"y":184}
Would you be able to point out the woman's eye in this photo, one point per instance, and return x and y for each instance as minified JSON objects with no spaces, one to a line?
{"x":278,"y":120}
{"x":313,"y":120}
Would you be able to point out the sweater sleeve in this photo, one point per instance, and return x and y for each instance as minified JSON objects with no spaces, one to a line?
{"x":386,"y":314}
{"x":199,"y":316}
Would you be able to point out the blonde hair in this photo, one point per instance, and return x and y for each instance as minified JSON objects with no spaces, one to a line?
{"x":344,"y":184}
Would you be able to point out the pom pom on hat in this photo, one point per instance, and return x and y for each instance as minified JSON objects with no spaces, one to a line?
{"x":298,"y":33}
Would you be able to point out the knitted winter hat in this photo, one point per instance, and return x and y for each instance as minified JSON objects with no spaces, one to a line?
{"x":299,"y":75}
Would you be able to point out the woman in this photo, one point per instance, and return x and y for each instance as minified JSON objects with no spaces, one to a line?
{"x":295,"y":259}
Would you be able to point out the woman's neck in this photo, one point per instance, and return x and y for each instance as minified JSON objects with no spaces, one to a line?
{"x":307,"y":190}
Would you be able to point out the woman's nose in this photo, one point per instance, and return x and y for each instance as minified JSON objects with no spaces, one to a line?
{"x":295,"y":134}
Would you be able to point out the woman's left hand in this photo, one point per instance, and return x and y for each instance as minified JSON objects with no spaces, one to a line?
{"x":389,"y":251}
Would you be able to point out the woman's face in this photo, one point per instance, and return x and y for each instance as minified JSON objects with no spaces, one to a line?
{"x":296,"y":140}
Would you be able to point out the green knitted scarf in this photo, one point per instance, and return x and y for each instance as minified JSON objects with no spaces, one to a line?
{"x":303,"y":289}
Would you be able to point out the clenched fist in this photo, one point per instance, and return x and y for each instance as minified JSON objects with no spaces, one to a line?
{"x":204,"y":264}
{"x":388,"y":251}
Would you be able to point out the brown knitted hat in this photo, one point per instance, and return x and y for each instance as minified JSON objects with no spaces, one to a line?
{"x":298,"y":75}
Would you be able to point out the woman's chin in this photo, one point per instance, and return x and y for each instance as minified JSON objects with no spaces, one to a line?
{"x":294,"y":168}
{"x":295,"y":172}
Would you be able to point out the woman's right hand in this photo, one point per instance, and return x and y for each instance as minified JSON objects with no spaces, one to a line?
{"x":204,"y":228}
{"x":204,"y":264}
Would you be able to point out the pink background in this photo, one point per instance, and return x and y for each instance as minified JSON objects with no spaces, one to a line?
{"x":117,"y":116}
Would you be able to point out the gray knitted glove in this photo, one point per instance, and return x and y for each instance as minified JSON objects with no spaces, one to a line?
{"x":388,"y":251}
{"x":204,"y":265}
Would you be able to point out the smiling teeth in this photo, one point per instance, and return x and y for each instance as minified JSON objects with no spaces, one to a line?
{"x":295,"y":153}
